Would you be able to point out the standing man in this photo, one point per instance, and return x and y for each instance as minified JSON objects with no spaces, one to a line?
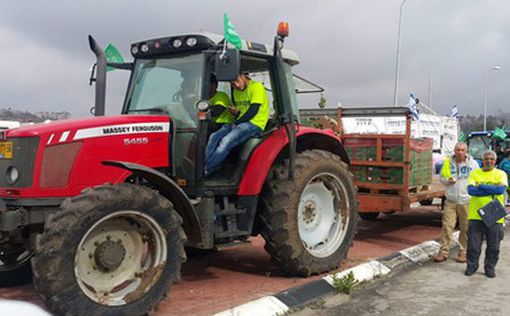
{"x":251,"y":111}
{"x":484,"y":185}
{"x":454,"y":175}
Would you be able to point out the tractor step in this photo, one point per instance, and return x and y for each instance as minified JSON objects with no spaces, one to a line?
{"x":231,"y":233}
{"x":234,"y":244}
{"x":231,"y":212}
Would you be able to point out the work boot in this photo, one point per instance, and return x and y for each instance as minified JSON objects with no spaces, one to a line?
{"x":470,"y":271}
{"x":440,"y":257}
{"x":461,"y":258}
{"x":490,"y":274}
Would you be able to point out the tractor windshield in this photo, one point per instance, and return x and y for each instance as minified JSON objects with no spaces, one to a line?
{"x":167,"y":86}
{"x":478,"y":144}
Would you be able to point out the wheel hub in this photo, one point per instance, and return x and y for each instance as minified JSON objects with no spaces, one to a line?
{"x":109,"y":255}
{"x":309,"y":212}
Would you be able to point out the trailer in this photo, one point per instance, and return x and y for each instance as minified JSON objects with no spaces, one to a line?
{"x":391,"y":171}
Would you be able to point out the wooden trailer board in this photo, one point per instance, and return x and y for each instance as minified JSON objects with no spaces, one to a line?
{"x":391,"y":171}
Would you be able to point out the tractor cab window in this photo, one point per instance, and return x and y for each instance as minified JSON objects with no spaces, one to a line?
{"x":264,"y":78}
{"x":167,"y":86}
{"x":171,"y":86}
{"x":477,"y":145}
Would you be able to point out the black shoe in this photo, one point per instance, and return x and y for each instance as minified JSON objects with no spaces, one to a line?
{"x":469,"y":272}
{"x":490,"y":274}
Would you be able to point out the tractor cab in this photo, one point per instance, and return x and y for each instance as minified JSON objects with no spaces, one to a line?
{"x":171,"y":76}
{"x":479,"y":142}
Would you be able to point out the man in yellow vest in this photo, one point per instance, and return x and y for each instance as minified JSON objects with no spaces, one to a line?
{"x":454,"y":175}
{"x":220,"y":106}
{"x":485,"y":185}
{"x":251,"y":112}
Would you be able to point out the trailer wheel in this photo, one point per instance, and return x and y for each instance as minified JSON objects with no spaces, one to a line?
{"x":369,"y":216}
{"x":113,"y":250}
{"x":14,"y":264}
{"x":309,"y":222}
{"x":426,"y":202}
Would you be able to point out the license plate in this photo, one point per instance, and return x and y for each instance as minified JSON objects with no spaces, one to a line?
{"x":5,"y":150}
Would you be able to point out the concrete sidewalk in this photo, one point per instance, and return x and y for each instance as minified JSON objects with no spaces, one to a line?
{"x":433,"y":289}
{"x":298,"y":297}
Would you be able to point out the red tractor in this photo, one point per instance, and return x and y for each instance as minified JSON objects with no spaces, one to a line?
{"x":101,"y":209}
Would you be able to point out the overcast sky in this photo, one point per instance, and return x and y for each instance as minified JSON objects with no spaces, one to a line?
{"x":347,"y":46}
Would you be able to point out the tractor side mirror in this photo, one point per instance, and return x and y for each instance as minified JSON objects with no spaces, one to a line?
{"x":228,"y":65}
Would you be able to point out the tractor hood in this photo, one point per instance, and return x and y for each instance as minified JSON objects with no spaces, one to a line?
{"x":100,"y":126}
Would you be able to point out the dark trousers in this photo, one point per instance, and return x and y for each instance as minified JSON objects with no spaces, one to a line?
{"x":477,"y":232}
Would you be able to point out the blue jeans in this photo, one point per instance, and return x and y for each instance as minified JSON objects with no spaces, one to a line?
{"x":224,"y":140}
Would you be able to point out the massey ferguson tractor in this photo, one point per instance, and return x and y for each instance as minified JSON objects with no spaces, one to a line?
{"x":98,"y":210}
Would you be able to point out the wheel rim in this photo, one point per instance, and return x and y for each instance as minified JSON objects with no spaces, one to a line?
{"x":323,"y":215}
{"x":120,"y":258}
{"x":13,"y":257}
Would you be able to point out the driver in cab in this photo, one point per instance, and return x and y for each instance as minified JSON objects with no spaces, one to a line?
{"x":251,"y":113}
{"x":221,"y":106}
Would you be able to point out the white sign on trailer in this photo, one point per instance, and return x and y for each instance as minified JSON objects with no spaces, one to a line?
{"x":442,"y":129}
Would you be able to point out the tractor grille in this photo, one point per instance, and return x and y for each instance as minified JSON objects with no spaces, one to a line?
{"x":24,"y":150}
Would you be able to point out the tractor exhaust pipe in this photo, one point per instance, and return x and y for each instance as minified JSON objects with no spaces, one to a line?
{"x":100,"y":79}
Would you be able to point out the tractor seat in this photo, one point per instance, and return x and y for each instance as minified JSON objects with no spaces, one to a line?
{"x":235,"y":163}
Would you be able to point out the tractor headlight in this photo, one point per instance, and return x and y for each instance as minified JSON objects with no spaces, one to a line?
{"x":203,"y":106}
{"x":12,"y":174}
{"x":134,"y":50}
{"x":144,"y":48}
{"x":176,"y":43}
{"x":191,"y":41}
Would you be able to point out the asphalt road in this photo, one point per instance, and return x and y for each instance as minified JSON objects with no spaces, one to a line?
{"x":218,"y":281}
{"x":432,"y":289}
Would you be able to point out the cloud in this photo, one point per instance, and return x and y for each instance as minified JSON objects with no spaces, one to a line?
{"x":347,"y":46}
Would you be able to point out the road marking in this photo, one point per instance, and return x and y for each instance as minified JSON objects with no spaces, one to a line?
{"x":421,"y":252}
{"x":363,"y":272}
{"x":268,"y":306}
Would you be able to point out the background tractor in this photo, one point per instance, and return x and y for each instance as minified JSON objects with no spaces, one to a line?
{"x":103,"y":207}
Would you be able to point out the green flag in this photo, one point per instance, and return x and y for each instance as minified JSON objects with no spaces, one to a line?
{"x":112,"y":56}
{"x":499,"y":133}
{"x":231,"y":35}
{"x":462,"y":137}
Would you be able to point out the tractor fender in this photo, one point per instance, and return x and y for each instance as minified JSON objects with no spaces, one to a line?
{"x":167,"y":188}
{"x":264,"y":156}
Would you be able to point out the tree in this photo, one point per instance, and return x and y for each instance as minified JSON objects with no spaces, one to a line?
{"x":322,"y":102}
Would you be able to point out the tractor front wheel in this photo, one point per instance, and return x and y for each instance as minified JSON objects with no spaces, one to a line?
{"x":309,"y":222}
{"x":14,"y":263}
{"x":113,"y":250}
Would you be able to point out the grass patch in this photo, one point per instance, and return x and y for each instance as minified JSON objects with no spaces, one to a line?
{"x":346,"y":283}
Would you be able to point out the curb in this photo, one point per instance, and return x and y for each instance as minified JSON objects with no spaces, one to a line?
{"x":282,"y":302}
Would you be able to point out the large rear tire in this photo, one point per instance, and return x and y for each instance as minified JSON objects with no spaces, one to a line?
{"x":309,"y":222}
{"x":113,"y":250}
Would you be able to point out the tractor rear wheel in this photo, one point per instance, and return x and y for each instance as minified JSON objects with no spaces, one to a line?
{"x":113,"y":250}
{"x":309,"y":222}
